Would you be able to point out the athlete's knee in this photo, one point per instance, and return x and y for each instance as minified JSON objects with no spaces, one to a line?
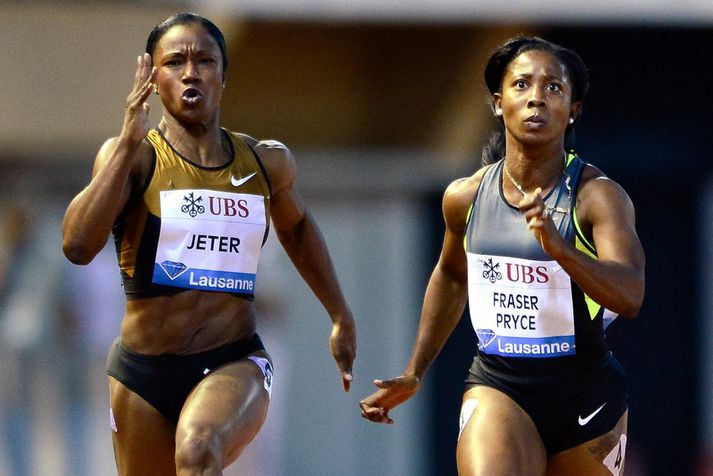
{"x":198,"y":451}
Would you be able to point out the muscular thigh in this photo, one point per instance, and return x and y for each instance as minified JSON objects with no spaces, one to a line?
{"x":603,"y":455}
{"x":143,"y":438}
{"x":229,"y":406}
{"x":498,"y":437}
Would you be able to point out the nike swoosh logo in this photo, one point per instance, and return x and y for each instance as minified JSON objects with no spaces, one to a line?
{"x":584,"y":421}
{"x":238,"y":183}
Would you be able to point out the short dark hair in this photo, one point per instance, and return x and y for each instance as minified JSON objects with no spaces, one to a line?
{"x":187,"y":18}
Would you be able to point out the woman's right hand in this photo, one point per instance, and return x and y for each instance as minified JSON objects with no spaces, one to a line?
{"x":136,"y":115}
{"x":391,"y":393}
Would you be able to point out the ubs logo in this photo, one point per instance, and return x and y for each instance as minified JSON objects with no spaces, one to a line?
{"x":228,"y":207}
{"x":491,"y":272}
{"x":218,"y":206}
{"x":516,"y":273}
{"x":192,"y":205}
{"x":527,"y":274}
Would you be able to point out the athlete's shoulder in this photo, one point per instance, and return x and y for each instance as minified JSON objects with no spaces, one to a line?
{"x":276,"y":157}
{"x":267,"y":149}
{"x":144,"y":148}
{"x":142,"y":155}
{"x":262,"y":144}
{"x":458,"y":198}
{"x":599,"y":196}
{"x":595,"y":182}
{"x":591,"y":171}
{"x":465,"y":188}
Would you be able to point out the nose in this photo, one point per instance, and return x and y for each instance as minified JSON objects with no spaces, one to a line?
{"x":536,"y":98}
{"x":190,"y":72}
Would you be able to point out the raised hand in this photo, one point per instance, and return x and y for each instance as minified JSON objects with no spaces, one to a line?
{"x":136,"y":115}
{"x":539,"y":220}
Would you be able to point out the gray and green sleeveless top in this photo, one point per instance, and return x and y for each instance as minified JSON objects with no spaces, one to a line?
{"x":526,"y":311}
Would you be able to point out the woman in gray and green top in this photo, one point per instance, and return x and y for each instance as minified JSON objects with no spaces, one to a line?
{"x":544,"y":247}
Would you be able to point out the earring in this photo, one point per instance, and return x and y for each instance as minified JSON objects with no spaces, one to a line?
{"x":155,"y":89}
{"x":571,"y":120}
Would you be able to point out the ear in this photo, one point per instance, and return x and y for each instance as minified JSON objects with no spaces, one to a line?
{"x":497,"y":100}
{"x":574,"y":111}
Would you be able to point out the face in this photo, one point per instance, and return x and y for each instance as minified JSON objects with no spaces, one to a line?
{"x":189,"y":74}
{"x":535,"y":99}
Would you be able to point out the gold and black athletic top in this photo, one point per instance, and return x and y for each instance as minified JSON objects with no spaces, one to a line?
{"x":528,"y":314}
{"x":194,"y":227}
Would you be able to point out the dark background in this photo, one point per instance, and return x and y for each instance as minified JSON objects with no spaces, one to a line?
{"x":646,"y":124}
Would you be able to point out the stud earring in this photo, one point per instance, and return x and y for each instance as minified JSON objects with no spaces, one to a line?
{"x":571,"y":120}
{"x":155,"y":89}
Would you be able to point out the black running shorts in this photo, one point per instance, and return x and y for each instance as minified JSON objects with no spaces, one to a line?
{"x":567,"y":410}
{"x":166,"y":380}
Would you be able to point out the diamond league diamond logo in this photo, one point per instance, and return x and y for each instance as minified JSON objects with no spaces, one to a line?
{"x":485,"y":337}
{"x":173,"y":269}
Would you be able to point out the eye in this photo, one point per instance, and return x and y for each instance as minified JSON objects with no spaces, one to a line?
{"x":520,"y":84}
{"x":172,"y":62}
{"x":554,"y":88}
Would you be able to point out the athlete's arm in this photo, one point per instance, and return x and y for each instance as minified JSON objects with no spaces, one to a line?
{"x":120,"y":163}
{"x":443,"y":305}
{"x":446,"y":293}
{"x":302,"y":240}
{"x":616,"y":279}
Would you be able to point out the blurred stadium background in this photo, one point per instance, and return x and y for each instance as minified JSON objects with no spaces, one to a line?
{"x":383,"y":104}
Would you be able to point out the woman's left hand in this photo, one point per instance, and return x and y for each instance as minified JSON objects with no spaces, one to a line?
{"x":342,"y":343}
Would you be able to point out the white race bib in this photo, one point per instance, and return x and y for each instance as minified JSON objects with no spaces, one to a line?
{"x":520,"y":308}
{"x":209,"y":240}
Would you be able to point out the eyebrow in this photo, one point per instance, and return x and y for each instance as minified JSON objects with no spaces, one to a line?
{"x":182,"y":51}
{"x":547,"y":76}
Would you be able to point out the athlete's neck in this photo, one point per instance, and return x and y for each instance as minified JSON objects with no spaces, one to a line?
{"x":533,"y":167}
{"x":201,"y":144}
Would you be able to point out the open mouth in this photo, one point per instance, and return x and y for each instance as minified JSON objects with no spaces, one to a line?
{"x":191,"y":96}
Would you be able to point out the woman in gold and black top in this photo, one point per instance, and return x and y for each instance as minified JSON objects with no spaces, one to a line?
{"x":190,"y":205}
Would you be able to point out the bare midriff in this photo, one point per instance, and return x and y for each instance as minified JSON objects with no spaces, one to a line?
{"x":186,"y":323}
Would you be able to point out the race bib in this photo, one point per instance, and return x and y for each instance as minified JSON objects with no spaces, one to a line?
{"x":520,"y":308}
{"x":209,"y":240}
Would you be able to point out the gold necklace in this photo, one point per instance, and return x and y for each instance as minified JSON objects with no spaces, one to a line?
{"x":549,"y":210}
